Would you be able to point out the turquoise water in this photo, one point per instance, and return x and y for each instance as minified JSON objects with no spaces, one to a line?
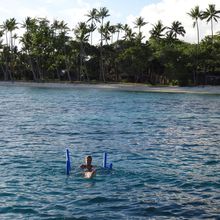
{"x":164,"y":149}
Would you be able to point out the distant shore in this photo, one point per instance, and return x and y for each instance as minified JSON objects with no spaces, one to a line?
{"x":135,"y":87}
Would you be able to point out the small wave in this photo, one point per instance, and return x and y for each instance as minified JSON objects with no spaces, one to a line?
{"x":7,"y":194}
{"x":25,"y":211}
{"x":100,"y":199}
{"x":212,"y":162}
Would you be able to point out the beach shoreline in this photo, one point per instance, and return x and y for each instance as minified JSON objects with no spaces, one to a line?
{"x":135,"y":87}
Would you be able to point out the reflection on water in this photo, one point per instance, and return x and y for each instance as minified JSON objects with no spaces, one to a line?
{"x":164,"y":149}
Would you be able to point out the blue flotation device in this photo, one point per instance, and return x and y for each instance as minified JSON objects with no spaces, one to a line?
{"x":105,"y":164}
{"x":68,"y":164}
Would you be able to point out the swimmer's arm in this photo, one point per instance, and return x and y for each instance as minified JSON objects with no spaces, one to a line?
{"x":83,"y":166}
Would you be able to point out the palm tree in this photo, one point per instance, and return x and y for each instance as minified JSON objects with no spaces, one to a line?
{"x":129,"y":34}
{"x":125,"y":28}
{"x":9,"y":26}
{"x":195,"y":14}
{"x":41,"y":45}
{"x":157,"y":30}
{"x":82,"y":36}
{"x":112,"y":30}
{"x":59,"y":53}
{"x":55,"y":27}
{"x":118,"y":27}
{"x":92,"y":28}
{"x":15,"y":36}
{"x":93,"y":16}
{"x":106,"y":30}
{"x":29,"y":23}
{"x":139,"y":23}
{"x":82,"y":32}
{"x":102,"y":13}
{"x":175,"y":29}
{"x":211,"y":14}
{"x":63,"y":27}
{"x":59,"y":27}
{"x":3,"y":55}
{"x":1,"y":34}
{"x":5,"y":29}
{"x":30,"y":26}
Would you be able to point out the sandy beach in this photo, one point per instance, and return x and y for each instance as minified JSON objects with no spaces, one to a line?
{"x":121,"y":86}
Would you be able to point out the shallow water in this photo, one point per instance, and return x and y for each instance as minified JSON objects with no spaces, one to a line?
{"x":164,"y":149}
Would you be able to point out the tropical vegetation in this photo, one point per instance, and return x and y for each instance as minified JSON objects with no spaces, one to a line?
{"x":52,"y":51}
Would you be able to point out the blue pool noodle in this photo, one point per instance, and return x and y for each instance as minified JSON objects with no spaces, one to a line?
{"x":68,"y":165}
{"x":105,"y":160}
{"x":110,"y":166}
{"x":105,"y":165}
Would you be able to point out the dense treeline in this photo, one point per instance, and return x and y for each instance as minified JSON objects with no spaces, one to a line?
{"x":52,"y":52}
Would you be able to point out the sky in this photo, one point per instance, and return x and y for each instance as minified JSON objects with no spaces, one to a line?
{"x":121,"y":11}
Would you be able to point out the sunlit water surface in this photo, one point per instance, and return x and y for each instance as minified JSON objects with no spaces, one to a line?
{"x":164,"y":149}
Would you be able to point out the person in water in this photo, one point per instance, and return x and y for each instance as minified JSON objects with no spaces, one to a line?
{"x":89,"y":170}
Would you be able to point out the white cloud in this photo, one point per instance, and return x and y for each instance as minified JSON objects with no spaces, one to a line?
{"x":73,"y":15}
{"x":55,"y":1}
{"x":37,"y":12}
{"x":72,"y":10}
{"x":171,"y":10}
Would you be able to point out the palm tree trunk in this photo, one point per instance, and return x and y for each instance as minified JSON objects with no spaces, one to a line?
{"x":212,"y":29}
{"x":58,"y":74}
{"x":32,"y":66}
{"x":83,"y":70}
{"x":5,"y":73}
{"x":39,"y":70}
{"x":197,"y":54}
{"x":102,"y":75}
{"x":68,"y":70}
{"x":91,"y":37}
{"x":11,"y":40}
{"x":10,"y":74}
{"x":6,"y":36}
{"x":81,"y":62}
{"x":14,"y":41}
{"x":91,"y":31}
{"x":68,"y":74}
{"x":32,"y":70}
{"x":118,"y":36}
{"x":197,"y":25}
{"x":8,"y":71}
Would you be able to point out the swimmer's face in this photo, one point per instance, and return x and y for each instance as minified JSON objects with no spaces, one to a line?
{"x":88,"y":160}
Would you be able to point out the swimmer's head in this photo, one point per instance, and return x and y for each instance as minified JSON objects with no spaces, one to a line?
{"x":88,"y":160}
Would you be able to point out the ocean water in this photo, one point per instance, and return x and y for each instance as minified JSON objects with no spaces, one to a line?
{"x":165,"y":150}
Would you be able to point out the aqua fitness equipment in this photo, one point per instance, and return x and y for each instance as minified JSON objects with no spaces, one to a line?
{"x":68,"y":165}
{"x":105,"y":164}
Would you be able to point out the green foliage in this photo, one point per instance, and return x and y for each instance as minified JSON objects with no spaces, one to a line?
{"x":49,"y":51}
